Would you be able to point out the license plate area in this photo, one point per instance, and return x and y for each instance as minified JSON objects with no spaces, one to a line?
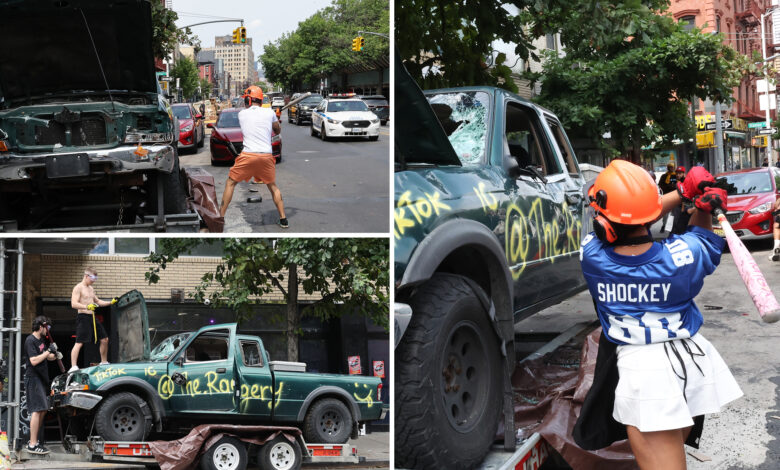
{"x":357,"y":130}
{"x":67,"y":165}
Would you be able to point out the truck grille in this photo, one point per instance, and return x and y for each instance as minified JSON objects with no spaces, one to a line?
{"x":90,"y":131}
{"x":355,"y":123}
{"x":143,"y":122}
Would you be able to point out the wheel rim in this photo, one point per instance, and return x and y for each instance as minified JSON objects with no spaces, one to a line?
{"x":465,"y":376}
{"x":282,"y":456}
{"x":226,"y":457}
{"x":125,"y":420}
{"x":330,"y":423}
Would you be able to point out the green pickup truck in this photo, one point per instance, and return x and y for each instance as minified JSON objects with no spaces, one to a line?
{"x":213,"y":375}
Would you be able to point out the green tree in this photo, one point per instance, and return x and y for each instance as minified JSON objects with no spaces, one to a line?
{"x":165,"y":35}
{"x":187,"y":73}
{"x":205,"y":88}
{"x":350,"y":275}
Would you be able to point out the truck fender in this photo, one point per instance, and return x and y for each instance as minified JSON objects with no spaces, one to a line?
{"x":154,"y":400}
{"x":329,"y":390}
{"x":450,"y":236}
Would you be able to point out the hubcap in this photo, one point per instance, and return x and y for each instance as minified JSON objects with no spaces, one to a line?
{"x":464,"y":376}
{"x":330,"y":422}
{"x":125,"y":420}
{"x":226,"y":457}
{"x":282,"y":456}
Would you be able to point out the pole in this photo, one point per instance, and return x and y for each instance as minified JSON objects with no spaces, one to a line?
{"x":719,"y":158}
{"x":766,"y":80}
{"x":17,"y":332}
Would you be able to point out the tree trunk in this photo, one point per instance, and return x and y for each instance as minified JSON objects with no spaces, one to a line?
{"x":293,"y":317}
{"x":636,"y":149}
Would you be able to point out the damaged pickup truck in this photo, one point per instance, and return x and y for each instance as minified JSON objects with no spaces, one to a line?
{"x":214,"y":375}
{"x":86,"y":140}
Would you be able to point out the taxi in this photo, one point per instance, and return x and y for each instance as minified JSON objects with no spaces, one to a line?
{"x":344,"y":116}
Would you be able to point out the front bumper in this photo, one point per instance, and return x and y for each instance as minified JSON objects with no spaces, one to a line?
{"x":187,"y":140}
{"x":750,"y":227}
{"x":75,"y":399}
{"x":115,"y":161}
{"x":338,"y":130}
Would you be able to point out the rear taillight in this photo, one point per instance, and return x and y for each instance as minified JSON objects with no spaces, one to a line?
{"x":379,"y":392}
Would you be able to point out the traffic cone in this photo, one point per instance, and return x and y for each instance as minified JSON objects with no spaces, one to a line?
{"x":5,"y":453}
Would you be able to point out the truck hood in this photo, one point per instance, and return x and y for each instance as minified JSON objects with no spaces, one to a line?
{"x":421,"y":137}
{"x":130,"y":332}
{"x":46,"y":48}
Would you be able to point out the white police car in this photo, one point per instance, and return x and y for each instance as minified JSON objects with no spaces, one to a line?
{"x":344,"y":117}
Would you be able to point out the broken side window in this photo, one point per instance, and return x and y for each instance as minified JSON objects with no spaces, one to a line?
{"x":464,"y":117}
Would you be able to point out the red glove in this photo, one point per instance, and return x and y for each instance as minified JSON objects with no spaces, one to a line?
{"x":695,"y":182}
{"x":712,"y":199}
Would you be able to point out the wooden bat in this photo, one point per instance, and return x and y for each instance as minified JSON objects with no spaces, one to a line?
{"x":756,"y":284}
{"x":58,"y":353}
{"x":297,"y":100}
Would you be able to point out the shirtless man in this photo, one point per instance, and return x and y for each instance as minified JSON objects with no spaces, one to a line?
{"x":85,"y":302}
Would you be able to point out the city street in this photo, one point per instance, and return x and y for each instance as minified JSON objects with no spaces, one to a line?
{"x":336,"y":186}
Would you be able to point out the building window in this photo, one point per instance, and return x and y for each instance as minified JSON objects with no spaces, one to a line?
{"x":551,"y":42}
{"x":214,"y":249}
{"x":688,"y":22}
{"x":717,"y":23}
{"x":131,"y":246}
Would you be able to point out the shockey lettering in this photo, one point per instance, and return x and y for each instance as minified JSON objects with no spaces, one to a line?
{"x":620,"y":292}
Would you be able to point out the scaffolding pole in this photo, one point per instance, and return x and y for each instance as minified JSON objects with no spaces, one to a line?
{"x":5,"y":391}
{"x":18,"y":333}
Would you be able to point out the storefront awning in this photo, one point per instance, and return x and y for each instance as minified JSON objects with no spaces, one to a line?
{"x":735,"y":135}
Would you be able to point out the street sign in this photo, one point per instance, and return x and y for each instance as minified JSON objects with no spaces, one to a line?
{"x":166,"y":79}
{"x":771,"y":130}
{"x":725,"y":124}
{"x":757,"y":125}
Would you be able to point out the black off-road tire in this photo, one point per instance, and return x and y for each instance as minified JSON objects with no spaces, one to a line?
{"x":120,"y":417}
{"x":448,"y":386}
{"x":174,"y":192}
{"x":228,"y":453}
{"x":280,"y":454}
{"x":327,"y":421}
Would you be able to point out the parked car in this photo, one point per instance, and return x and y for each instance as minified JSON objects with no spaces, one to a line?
{"x":212,"y":375}
{"x":378,"y":105}
{"x":227,"y":129}
{"x":191,"y":129}
{"x":344,"y":117}
{"x":487,"y":230}
{"x":69,"y":146}
{"x":301,"y":112}
{"x":751,"y":193}
{"x":277,"y":101}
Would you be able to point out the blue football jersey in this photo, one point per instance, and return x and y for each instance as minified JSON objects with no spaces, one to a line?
{"x":649,"y":298}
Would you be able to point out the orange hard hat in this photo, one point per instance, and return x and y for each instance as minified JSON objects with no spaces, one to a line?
{"x":254,"y":92}
{"x":626,"y":194}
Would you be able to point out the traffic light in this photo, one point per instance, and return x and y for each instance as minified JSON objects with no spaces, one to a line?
{"x":362,"y":42}
{"x":243,"y":34}
{"x":760,"y":141}
{"x":236,"y":36}
{"x":356,"y":44}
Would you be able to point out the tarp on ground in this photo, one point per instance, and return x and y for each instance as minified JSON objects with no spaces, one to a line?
{"x":203,"y":198}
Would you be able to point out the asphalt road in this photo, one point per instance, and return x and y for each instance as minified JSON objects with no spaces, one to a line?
{"x":338,"y":186}
{"x":745,"y":435}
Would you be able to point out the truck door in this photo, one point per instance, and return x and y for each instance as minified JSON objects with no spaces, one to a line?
{"x":256,"y":381}
{"x":201,"y":375}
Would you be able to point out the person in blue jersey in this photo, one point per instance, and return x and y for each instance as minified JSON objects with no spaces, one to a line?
{"x":656,"y":375}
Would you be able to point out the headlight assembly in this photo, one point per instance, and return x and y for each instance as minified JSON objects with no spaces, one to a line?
{"x":765,"y":207}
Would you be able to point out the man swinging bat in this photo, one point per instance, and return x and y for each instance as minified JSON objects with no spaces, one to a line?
{"x":85,"y":302}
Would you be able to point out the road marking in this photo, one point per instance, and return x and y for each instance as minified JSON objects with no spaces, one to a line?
{"x":307,"y":151}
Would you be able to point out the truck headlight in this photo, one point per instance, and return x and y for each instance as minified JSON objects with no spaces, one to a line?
{"x":765,"y":207}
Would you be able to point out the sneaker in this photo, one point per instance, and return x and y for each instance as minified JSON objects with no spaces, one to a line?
{"x":73,"y":369}
{"x":283,"y":223}
{"x":104,"y":363}
{"x":775,"y":256}
{"x":38,"y":449}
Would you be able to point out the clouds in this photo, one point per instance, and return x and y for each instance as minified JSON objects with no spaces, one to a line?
{"x":255,"y":23}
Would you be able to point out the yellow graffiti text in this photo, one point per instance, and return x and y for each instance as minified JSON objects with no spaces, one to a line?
{"x":488,"y":200}
{"x":110,"y":372}
{"x":262,"y":393}
{"x":418,"y":210}
{"x":150,"y":371}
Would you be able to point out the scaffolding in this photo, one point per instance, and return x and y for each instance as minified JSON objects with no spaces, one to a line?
{"x":11,"y":271}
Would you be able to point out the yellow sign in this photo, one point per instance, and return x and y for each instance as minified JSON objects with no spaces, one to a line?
{"x":760,"y":141}
{"x":701,"y":121}
{"x":705,"y":140}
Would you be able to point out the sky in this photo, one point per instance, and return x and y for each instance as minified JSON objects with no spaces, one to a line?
{"x":265,"y":21}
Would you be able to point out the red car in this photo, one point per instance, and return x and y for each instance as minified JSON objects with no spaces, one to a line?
{"x":751,"y":195}
{"x":227,"y":129}
{"x":191,"y":131}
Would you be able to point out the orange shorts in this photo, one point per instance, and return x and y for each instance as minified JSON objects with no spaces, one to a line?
{"x":261,"y":166}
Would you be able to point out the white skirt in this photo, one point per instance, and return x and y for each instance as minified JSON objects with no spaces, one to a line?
{"x":651,"y":393}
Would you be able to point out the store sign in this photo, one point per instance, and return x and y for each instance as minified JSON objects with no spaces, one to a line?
{"x":705,"y":140}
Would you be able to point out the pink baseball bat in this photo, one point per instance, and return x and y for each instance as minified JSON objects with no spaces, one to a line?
{"x":756,"y":284}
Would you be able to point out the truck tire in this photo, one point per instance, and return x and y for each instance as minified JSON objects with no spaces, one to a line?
{"x":228,"y":453}
{"x":328,"y":421}
{"x":280,"y":454}
{"x":174,"y":194}
{"x":120,"y":418}
{"x":448,"y":378}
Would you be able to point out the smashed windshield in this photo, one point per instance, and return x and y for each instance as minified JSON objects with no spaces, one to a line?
{"x":464,"y":119}
{"x":746,"y":183}
{"x":168,"y":347}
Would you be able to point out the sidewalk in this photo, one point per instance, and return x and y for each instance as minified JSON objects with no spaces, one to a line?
{"x":374,"y":447}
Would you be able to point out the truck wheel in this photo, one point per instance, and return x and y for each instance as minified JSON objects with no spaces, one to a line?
{"x":174,"y":194}
{"x":120,"y":418}
{"x":328,"y":421}
{"x":280,"y":454}
{"x":448,"y":378}
{"x":228,"y":453}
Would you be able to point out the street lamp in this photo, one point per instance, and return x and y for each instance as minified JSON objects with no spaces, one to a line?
{"x":766,"y":80}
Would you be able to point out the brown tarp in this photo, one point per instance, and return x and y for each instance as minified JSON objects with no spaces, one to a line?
{"x":203,"y":198}
{"x":548,"y":395}
{"x":183,"y":454}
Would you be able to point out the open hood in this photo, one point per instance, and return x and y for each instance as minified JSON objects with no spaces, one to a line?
{"x":129,"y":336}
{"x":419,"y":135}
{"x":46,"y":48}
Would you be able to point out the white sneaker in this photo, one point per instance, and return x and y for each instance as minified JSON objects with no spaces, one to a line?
{"x":73,"y":369}
{"x":775,"y":256}
{"x":105,"y":363}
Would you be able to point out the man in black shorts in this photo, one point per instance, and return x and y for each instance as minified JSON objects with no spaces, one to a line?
{"x":88,"y":328}
{"x":775,"y":256}
{"x":36,"y":381}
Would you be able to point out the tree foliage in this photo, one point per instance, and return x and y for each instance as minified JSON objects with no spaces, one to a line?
{"x":349,"y":275}
{"x":322,"y":43}
{"x":165,"y":34}
{"x":187,"y":73}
